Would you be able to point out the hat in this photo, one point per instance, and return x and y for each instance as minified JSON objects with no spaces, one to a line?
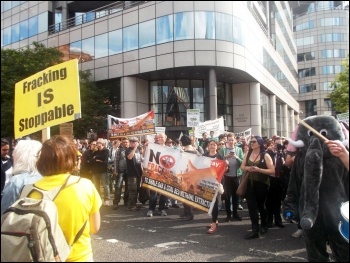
{"x":134,"y":139}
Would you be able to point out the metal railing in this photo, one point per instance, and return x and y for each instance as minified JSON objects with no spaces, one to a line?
{"x":93,"y":15}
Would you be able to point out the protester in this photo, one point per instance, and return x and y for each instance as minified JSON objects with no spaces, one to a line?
{"x":339,"y":150}
{"x":76,"y":203}
{"x":134,"y":172}
{"x":259,"y":166}
{"x":6,"y":163}
{"x":212,"y":153}
{"x":187,"y":147}
{"x":87,"y":161}
{"x":25,"y":156}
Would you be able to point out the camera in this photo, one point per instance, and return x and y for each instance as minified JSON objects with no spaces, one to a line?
{"x":233,"y":151}
{"x":279,"y":147}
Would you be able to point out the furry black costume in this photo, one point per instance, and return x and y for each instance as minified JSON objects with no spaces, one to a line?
{"x":319,"y":184}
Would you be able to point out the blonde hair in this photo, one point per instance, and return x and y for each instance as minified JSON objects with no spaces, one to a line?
{"x":25,"y":156}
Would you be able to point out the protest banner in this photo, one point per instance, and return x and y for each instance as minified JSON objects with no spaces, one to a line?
{"x":247,"y":133}
{"x":216,"y":125}
{"x":47,"y":98}
{"x":186,"y":177}
{"x":344,"y":117}
{"x":139,"y":125}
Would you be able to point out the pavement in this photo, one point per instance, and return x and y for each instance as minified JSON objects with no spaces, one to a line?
{"x":131,"y":236}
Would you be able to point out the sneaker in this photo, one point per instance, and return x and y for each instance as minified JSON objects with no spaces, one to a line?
{"x":239,"y":207}
{"x":149,"y":213}
{"x":212,"y":229}
{"x":106,"y":203}
{"x":163,"y":213}
{"x":298,"y":233}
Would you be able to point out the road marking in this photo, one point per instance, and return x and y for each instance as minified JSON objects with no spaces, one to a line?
{"x":168,"y":244}
{"x":112,"y":240}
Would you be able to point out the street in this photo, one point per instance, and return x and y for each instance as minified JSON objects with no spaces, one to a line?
{"x":131,"y":236}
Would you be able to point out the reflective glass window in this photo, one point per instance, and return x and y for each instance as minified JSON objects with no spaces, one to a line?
{"x":130,"y":38}
{"x":23,"y":29}
{"x":332,"y":37}
{"x":33,"y":26}
{"x":238,"y":29}
{"x":306,"y":72}
{"x":6,"y":38}
{"x":101,"y":45}
{"x":332,"y":21}
{"x":43,"y":22}
{"x":310,"y":108}
{"x":305,"y":41}
{"x":184,"y":26}
{"x":115,"y":42}
{"x":307,"y":87}
{"x":147,"y":33}
{"x":204,"y":25}
{"x":164,"y":29}
{"x":224,"y":30}
{"x":306,"y":56}
{"x":89,"y":17}
{"x":75,"y":50}
{"x":88,"y":49}
{"x":15,"y":33}
{"x":5,"y":5}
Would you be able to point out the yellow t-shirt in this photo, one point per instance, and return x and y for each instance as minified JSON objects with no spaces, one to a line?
{"x":74,"y":204}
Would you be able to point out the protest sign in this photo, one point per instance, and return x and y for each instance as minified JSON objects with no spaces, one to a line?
{"x":139,"y":125}
{"x":216,"y":125}
{"x":186,"y":177}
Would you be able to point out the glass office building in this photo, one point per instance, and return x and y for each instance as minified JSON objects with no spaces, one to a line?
{"x":321,"y":31}
{"x":232,"y":59}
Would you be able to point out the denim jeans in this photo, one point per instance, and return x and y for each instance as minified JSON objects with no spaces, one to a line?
{"x":122,"y":176}
{"x":153,"y":201}
{"x":104,"y":178}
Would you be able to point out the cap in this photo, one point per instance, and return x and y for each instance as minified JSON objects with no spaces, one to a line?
{"x":133,"y":139}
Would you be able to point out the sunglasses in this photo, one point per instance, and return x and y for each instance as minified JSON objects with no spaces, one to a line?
{"x":253,"y":141}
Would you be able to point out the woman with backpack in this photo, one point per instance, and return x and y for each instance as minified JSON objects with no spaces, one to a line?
{"x":77,"y":204}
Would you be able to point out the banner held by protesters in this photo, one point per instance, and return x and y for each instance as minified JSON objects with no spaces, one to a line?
{"x":186,"y":177}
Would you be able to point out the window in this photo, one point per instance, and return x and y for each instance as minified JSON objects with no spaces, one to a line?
{"x":304,"y":26}
{"x":332,"y":21}
{"x":184,"y":26}
{"x":115,"y":41}
{"x":306,"y":72}
{"x":101,"y":46}
{"x":310,"y":108}
{"x":306,"y":56}
{"x":305,"y":41}
{"x":332,"y":37}
{"x":328,"y":86}
{"x":88,"y":49}
{"x":205,"y":25}
{"x":147,"y":33}
{"x":333,"y":53}
{"x":332,"y":69}
{"x":307,"y":88}
{"x":224,"y":30}
{"x":164,"y":29}
{"x":130,"y":38}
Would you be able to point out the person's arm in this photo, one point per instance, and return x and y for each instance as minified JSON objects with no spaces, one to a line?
{"x":339,"y":150}
{"x":95,"y":222}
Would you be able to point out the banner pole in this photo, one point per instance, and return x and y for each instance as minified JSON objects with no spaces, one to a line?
{"x":45,"y":134}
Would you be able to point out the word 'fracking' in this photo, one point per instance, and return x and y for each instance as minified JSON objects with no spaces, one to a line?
{"x":46,"y":78}
{"x":51,"y":115}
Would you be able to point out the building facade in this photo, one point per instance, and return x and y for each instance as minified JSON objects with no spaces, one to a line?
{"x":226,"y":58}
{"x":321,"y":30}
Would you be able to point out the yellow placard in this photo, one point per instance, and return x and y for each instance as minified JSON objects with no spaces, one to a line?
{"x":47,"y":98}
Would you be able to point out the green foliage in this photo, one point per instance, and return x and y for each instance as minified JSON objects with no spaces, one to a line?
{"x":20,"y":64}
{"x":340,"y":95}
{"x":15,"y":66}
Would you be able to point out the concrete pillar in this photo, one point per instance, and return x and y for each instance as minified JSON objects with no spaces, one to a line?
{"x":273,"y":120}
{"x":134,"y":94}
{"x":246,"y":107}
{"x":212,"y":96}
{"x":284,"y":120}
{"x":64,"y":15}
{"x":291,"y":126}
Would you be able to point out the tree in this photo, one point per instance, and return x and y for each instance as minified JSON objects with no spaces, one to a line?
{"x":340,"y":95}
{"x":20,"y":64}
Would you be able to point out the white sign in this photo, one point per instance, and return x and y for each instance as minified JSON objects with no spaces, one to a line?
{"x":192,"y":117}
{"x":217,"y":126}
{"x":344,"y":117}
